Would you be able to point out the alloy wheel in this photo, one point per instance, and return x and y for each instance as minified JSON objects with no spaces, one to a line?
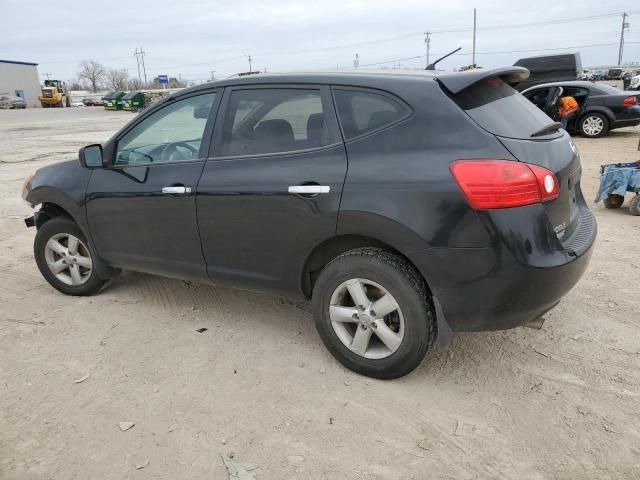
{"x":366,"y":318}
{"x":592,"y":125}
{"x":68,"y":258}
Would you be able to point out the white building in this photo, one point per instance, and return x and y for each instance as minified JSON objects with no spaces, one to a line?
{"x":20,"y":79}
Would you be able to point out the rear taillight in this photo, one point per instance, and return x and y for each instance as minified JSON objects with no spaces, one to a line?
{"x":489,"y":184}
{"x":629,"y":101}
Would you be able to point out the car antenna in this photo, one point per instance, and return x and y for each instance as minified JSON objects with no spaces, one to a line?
{"x":432,"y":66}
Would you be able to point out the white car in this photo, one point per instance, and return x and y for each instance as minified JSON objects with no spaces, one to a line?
{"x":77,"y":104}
{"x":635,"y":83}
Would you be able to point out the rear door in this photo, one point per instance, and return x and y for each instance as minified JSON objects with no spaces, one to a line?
{"x":270,"y":193}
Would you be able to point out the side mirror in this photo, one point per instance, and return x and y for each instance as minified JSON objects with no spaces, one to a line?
{"x":91,"y":156}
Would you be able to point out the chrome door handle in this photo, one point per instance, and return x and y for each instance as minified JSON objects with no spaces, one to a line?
{"x":176,"y":190}
{"x":309,"y":189}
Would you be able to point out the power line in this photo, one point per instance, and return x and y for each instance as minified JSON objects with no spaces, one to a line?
{"x":498,"y":52}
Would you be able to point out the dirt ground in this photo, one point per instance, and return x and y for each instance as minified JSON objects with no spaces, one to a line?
{"x":559,"y":403}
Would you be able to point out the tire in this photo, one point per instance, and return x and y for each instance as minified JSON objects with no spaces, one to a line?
{"x":60,"y":230}
{"x":634,"y":205}
{"x":613,"y":201}
{"x":593,"y":125}
{"x":411,"y":318}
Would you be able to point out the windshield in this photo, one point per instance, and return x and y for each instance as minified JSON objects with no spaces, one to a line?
{"x":501,"y":110}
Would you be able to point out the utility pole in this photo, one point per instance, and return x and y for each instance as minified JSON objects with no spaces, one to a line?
{"x":427,"y":41}
{"x":213,"y":76}
{"x":473,"y":57}
{"x":249,"y":58}
{"x":139,"y":54}
{"x":356,"y":61}
{"x":135,"y":54}
{"x":47,"y":75}
{"x":625,"y":25}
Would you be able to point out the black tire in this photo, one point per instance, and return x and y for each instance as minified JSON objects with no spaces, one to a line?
{"x":64,"y":225}
{"x":613,"y":201}
{"x":634,"y":205}
{"x":409,"y":290}
{"x":586,"y":118}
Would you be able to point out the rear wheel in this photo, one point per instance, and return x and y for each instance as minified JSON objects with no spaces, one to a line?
{"x":593,"y":125}
{"x":64,"y":259}
{"x":373,"y":312}
{"x":613,"y":201}
{"x":634,"y":205}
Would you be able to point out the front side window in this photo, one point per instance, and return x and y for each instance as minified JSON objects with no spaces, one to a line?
{"x":274,"y":120}
{"x":361,"y":112}
{"x":172,"y":134}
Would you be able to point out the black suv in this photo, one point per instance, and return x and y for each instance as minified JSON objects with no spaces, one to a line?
{"x":405,"y":205}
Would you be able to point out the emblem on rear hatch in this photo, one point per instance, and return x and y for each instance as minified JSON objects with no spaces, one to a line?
{"x":559,"y":229}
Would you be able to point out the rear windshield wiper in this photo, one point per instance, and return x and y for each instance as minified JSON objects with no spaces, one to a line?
{"x":552,"y":127}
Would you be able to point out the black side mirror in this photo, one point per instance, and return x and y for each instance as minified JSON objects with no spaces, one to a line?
{"x":91,"y":156}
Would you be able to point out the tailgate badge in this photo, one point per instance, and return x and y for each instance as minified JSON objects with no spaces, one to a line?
{"x":559,"y":229}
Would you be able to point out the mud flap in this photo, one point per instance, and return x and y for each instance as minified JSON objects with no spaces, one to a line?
{"x":445,"y":334}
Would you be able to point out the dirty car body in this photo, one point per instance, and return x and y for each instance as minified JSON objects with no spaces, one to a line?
{"x":377,"y":175}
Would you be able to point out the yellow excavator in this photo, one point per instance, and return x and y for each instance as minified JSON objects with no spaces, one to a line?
{"x":54,"y":94}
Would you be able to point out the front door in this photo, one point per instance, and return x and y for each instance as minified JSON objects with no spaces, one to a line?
{"x":141,"y":207}
{"x":271,"y":193}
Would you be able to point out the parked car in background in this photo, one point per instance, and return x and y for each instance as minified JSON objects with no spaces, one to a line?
{"x":599,"y":75}
{"x":635,"y":83}
{"x":12,"y":102}
{"x":93,"y":102}
{"x":77,"y":104}
{"x":602,"y":107}
{"x":615,"y":73}
{"x":403,"y":204}
{"x":550,"y":68}
{"x":587,"y":75}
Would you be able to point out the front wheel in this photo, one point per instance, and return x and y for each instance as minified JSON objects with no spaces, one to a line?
{"x":593,"y":125}
{"x":373,"y":312}
{"x":64,"y":259}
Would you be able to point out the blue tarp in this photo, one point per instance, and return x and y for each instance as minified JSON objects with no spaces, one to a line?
{"x":618,"y":180}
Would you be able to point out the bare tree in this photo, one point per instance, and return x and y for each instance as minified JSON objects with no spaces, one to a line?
{"x":135,"y":84}
{"x":118,"y":79}
{"x":93,"y":72}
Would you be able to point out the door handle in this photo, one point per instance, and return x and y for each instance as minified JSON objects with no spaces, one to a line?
{"x":176,"y":190}
{"x":309,"y":189}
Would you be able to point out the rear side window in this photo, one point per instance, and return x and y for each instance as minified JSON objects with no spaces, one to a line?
{"x":498,"y":108}
{"x":361,"y":112}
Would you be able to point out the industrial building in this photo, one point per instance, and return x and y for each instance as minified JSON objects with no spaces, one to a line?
{"x":20,"y":79}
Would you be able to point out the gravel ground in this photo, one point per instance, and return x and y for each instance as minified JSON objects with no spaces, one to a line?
{"x":561,"y":402}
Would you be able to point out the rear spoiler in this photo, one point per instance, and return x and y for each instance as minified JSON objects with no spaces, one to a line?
{"x":456,"y":82}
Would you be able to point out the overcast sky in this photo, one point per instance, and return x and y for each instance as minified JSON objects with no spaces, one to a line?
{"x":193,"y":37}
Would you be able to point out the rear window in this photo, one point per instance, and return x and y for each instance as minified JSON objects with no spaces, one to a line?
{"x":603,"y":88}
{"x":499,"y":109}
{"x":362,"y":112}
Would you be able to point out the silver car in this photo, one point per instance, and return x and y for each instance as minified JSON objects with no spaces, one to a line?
{"x":10,"y":101}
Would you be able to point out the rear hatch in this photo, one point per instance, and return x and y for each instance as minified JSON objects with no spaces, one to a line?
{"x":531,"y":137}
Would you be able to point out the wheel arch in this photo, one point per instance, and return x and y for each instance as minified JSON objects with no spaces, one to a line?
{"x":332,"y":247}
{"x":607,"y":113}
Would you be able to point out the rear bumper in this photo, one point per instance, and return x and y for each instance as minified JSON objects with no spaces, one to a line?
{"x":522,"y":276}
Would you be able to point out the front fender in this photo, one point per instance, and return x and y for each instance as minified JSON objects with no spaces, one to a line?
{"x":63,"y":184}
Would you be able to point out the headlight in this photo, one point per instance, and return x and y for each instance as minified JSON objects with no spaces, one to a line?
{"x":26,"y":188}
